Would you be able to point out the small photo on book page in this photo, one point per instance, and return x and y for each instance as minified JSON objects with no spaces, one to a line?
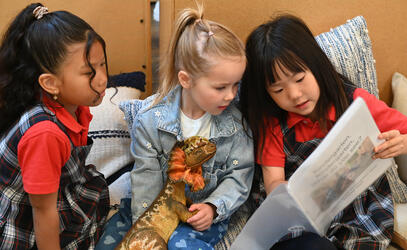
{"x":331,"y":189}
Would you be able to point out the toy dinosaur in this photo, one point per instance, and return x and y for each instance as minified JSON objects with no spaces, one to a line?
{"x":155,"y":226}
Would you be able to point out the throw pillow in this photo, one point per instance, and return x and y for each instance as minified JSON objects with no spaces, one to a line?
{"x":399,"y":87}
{"x":349,"y":48}
{"x":110,"y":152}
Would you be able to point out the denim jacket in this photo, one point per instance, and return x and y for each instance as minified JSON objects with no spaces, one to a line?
{"x":154,"y":131}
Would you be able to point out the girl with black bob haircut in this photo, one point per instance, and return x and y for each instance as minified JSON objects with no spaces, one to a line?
{"x":52,"y":68}
{"x":297,"y":96}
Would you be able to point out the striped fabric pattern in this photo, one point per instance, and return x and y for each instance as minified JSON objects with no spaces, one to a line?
{"x":349,"y":49}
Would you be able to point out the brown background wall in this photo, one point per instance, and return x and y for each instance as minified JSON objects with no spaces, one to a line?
{"x":124,"y":24}
{"x":129,"y":43}
{"x":386,"y":22}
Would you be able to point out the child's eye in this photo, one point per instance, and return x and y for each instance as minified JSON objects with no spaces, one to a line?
{"x":300,"y":80}
{"x":220,"y":88}
{"x":278,"y":91}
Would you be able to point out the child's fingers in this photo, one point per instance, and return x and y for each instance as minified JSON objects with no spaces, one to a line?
{"x":392,"y":139}
{"x":202,"y":227}
{"x":197,"y":221}
{"x":195,"y":218}
{"x":193,"y":207}
{"x":389,"y":135}
{"x":202,"y":224}
{"x":392,"y":150}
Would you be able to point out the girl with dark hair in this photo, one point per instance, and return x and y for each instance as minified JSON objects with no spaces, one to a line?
{"x":52,"y":68}
{"x":298,"y":96}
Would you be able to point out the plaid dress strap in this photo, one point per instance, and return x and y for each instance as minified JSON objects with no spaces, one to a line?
{"x":82,"y":197}
{"x":295,"y":152}
{"x":83,"y":202}
{"x":367,"y":223}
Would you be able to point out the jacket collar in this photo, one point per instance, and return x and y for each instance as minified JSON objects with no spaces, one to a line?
{"x":168,"y":115}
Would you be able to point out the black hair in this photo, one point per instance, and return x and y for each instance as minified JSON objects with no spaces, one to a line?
{"x":285,"y":41}
{"x":32,"y":46}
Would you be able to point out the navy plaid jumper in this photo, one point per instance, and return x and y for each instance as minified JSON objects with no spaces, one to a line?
{"x":83,"y":199}
{"x":367,"y":223}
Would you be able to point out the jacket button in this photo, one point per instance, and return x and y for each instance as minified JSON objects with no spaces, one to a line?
{"x":145,"y":205}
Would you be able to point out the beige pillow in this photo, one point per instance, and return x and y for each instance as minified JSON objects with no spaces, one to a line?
{"x":111,"y":141}
{"x":399,"y":86}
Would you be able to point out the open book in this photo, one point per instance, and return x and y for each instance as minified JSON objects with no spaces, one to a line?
{"x":339,"y":169}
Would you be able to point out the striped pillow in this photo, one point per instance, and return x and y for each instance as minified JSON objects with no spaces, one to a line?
{"x":349,"y":48}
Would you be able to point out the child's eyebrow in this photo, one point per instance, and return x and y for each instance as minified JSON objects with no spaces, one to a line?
{"x":86,"y":66}
{"x":221,"y":83}
{"x":275,"y":84}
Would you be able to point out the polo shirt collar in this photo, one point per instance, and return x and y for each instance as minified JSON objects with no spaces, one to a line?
{"x":293,"y":118}
{"x":83,"y":114}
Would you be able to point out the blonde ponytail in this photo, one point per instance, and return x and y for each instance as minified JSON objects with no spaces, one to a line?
{"x":193,"y":44}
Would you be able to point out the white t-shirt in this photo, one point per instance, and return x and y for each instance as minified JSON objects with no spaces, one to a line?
{"x":200,"y":126}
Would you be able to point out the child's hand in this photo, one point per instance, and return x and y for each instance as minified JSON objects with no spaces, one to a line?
{"x":203,"y":219}
{"x":395,"y":144}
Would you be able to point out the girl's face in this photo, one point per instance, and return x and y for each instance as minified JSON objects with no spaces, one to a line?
{"x":214,"y":92}
{"x":74,"y":76}
{"x":295,"y":92}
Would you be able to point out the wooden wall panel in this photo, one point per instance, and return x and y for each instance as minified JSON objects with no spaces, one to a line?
{"x":385,"y":20}
{"x":124,"y":24}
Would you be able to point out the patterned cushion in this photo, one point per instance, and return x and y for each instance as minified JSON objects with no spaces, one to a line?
{"x":349,"y":48}
{"x":110,"y":152}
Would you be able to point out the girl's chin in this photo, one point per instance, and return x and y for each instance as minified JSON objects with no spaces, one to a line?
{"x":97,"y":102}
{"x":311,"y":115}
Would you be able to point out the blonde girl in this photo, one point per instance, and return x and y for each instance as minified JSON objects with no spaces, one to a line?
{"x":201,"y":74}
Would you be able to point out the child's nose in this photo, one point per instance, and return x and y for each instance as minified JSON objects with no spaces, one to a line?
{"x":230,"y":94}
{"x":294,"y":92}
{"x":102,"y":79}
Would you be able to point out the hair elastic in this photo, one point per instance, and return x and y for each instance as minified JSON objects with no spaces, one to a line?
{"x":210,"y":33}
{"x":40,"y":11}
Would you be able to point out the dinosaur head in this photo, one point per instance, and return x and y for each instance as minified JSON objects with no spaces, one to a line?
{"x":186,"y":161}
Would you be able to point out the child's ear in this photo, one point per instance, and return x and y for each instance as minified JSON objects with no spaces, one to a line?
{"x":184,"y":79}
{"x":49,"y":83}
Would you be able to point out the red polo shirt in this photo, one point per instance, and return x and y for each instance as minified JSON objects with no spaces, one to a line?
{"x":45,"y":148}
{"x":273,"y":154}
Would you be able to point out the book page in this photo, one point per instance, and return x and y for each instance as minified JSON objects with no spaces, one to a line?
{"x":278,"y":215}
{"x":340,"y":168}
